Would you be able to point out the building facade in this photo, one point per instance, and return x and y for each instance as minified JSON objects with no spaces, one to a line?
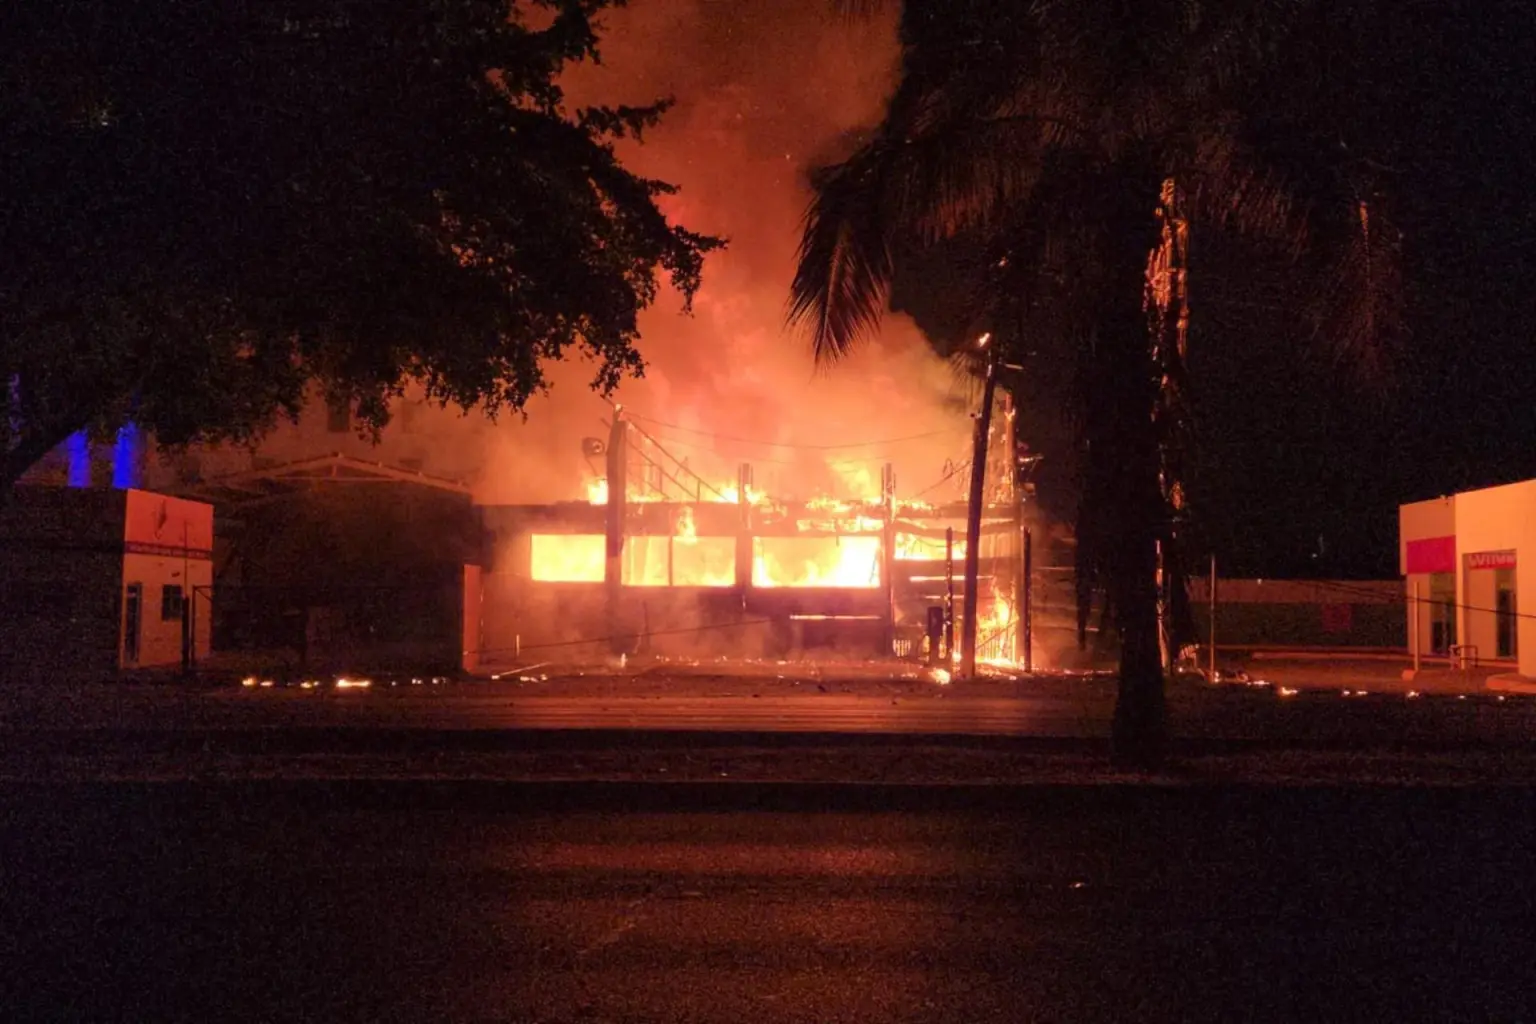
{"x":1465,"y":558}
{"x":97,"y":581}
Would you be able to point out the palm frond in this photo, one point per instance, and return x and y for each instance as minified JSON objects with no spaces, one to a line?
{"x":1227,"y":188}
{"x":970,"y":172}
{"x":844,"y":268}
{"x":1360,"y":316}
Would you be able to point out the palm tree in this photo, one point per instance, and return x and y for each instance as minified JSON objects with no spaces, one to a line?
{"x":1077,"y":143}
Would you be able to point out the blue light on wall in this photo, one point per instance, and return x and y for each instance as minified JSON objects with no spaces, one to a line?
{"x":78,"y":449}
{"x":126,"y":471}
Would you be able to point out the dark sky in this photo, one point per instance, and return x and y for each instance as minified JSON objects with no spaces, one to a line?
{"x":1303,"y":461}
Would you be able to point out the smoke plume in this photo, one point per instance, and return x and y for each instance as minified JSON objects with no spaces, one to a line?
{"x":765,"y":89}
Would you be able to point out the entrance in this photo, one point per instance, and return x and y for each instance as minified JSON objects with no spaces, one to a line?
{"x":1442,"y":612}
{"x":133,"y":615}
{"x":1507,"y":615}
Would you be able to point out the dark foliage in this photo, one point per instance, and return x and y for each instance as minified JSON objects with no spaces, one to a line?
{"x":206,"y":207}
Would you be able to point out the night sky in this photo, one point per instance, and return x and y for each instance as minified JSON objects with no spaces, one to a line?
{"x":1304,"y":459}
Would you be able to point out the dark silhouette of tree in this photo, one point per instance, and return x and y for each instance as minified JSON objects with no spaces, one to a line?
{"x":1077,"y":145}
{"x":207,"y":207}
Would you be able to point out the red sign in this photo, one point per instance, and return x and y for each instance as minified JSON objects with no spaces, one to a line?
{"x":1491,"y":560}
{"x":1433,"y":554}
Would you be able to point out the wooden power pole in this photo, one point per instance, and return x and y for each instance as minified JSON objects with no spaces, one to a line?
{"x":973,"y":521}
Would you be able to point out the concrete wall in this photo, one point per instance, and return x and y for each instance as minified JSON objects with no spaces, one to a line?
{"x":1302,"y":613}
{"x":1489,"y":520}
{"x":159,"y":635}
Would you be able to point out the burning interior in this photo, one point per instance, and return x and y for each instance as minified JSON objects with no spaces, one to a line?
{"x":667,"y":556}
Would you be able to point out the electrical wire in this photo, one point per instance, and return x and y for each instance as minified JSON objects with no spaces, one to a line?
{"x":941,"y":481}
{"x":1405,"y":599}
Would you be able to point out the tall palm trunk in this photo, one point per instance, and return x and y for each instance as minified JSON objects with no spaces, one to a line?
{"x":1125,"y":464}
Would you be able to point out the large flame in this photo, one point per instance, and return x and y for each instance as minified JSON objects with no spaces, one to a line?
{"x":688,"y":560}
{"x":816,"y":562}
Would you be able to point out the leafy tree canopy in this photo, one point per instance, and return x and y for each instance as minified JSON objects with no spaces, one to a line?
{"x":207,"y":207}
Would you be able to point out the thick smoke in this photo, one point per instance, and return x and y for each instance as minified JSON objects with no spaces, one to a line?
{"x":764,"y":90}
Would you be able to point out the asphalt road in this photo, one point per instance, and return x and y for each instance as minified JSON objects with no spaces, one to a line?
{"x":208,"y":903}
{"x":1074,"y":708}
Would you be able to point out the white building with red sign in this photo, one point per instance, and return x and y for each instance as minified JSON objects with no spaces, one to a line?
{"x":95,"y":581}
{"x":1465,"y":558}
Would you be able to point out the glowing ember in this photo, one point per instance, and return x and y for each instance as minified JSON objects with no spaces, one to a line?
{"x":816,"y":562}
{"x":597,"y":490}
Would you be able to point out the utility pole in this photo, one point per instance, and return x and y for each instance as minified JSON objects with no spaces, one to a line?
{"x":1413,"y":620}
{"x":973,"y":518}
{"x":949,"y":597}
{"x":1027,"y":604}
{"x":188,"y":642}
{"x":613,"y":566}
{"x":888,"y":556}
{"x":1212,"y":677}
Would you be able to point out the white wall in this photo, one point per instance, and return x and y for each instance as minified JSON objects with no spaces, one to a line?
{"x":160,"y":639}
{"x":1496,"y":519}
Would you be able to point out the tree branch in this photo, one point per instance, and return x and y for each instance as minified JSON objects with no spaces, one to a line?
{"x":33,"y":446}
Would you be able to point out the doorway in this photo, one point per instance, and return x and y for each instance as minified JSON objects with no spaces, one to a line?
{"x":133,"y":617}
{"x":1442,"y":612}
{"x":1506,"y":612}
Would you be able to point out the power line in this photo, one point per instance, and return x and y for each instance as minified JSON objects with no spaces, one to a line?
{"x":941,"y":481}
{"x":1406,"y":599}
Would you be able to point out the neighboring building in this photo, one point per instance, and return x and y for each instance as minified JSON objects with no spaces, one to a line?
{"x":333,"y":553}
{"x":93,"y":581}
{"x":1459,"y":556}
{"x":1300,"y":613}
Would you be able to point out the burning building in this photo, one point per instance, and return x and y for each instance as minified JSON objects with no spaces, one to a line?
{"x":665,"y":557}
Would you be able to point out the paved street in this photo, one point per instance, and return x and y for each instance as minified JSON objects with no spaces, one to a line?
{"x":209,"y":903}
{"x":733,"y":727}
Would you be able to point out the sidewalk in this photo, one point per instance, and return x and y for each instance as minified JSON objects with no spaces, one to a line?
{"x":1373,"y":674}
